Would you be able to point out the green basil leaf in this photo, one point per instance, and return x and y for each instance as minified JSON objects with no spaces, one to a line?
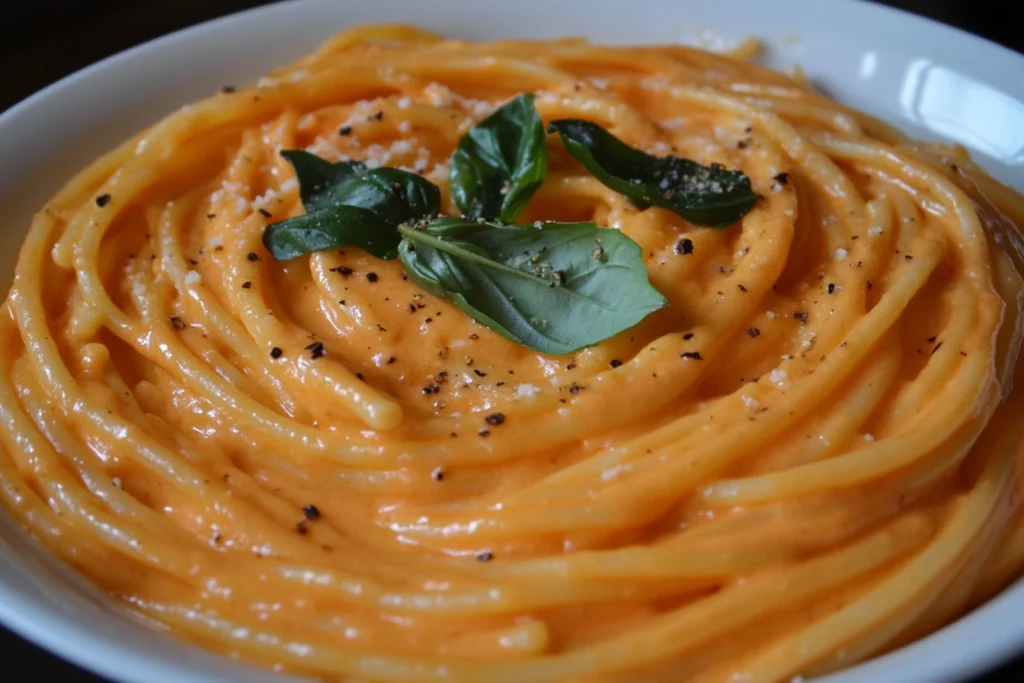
{"x":703,"y":195}
{"x":395,"y":195}
{"x":500,"y":162}
{"x":554,"y":289}
{"x":330,"y":228}
{"x":348,"y":205}
{"x":316,"y":176}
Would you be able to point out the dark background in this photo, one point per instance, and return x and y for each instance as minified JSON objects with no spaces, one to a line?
{"x":40,"y":44}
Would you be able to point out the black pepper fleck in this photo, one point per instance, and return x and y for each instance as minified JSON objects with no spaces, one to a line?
{"x":438,"y":473}
{"x":688,"y":336}
{"x":479,"y":373}
{"x":484,"y":433}
{"x":390,"y":360}
{"x":311,"y":512}
{"x":802,"y":316}
{"x":485,"y":556}
{"x":684,"y":247}
{"x":301,"y":527}
{"x":753,"y":332}
{"x":103,"y":200}
{"x":575,"y":388}
{"x":615,"y":363}
{"x":178,"y":323}
{"x":831,"y":288}
{"x":691,"y":355}
{"x":495,"y":419}
{"x":264,"y":212}
{"x":782,"y":178}
{"x":316,"y":350}
{"x":246,"y":285}
{"x":253,"y":256}
{"x":276,"y":352}
{"x":372,"y":277}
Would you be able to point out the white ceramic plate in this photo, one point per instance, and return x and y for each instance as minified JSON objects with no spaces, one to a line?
{"x":928,"y":79}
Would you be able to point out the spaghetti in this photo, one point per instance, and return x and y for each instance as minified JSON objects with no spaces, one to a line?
{"x":807,"y":458}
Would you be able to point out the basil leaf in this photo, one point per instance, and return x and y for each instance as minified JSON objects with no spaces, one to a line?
{"x":348,"y":205}
{"x":500,"y":162}
{"x":330,"y":228}
{"x":703,"y":195}
{"x":316,"y":176}
{"x":395,"y":195}
{"x":554,"y":289}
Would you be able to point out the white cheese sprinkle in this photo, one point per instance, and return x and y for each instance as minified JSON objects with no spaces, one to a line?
{"x":401,"y":147}
{"x":527,"y":390}
{"x":613,"y":472}
{"x":192,"y":278}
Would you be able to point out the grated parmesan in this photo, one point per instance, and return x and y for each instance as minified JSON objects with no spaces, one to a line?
{"x":527,"y":390}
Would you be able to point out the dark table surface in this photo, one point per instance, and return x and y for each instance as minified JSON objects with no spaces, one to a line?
{"x":40,"y":44}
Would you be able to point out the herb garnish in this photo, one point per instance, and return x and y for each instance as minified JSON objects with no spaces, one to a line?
{"x":538,"y":286}
{"x":500,"y":162}
{"x":346,"y":204}
{"x":703,"y":195}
